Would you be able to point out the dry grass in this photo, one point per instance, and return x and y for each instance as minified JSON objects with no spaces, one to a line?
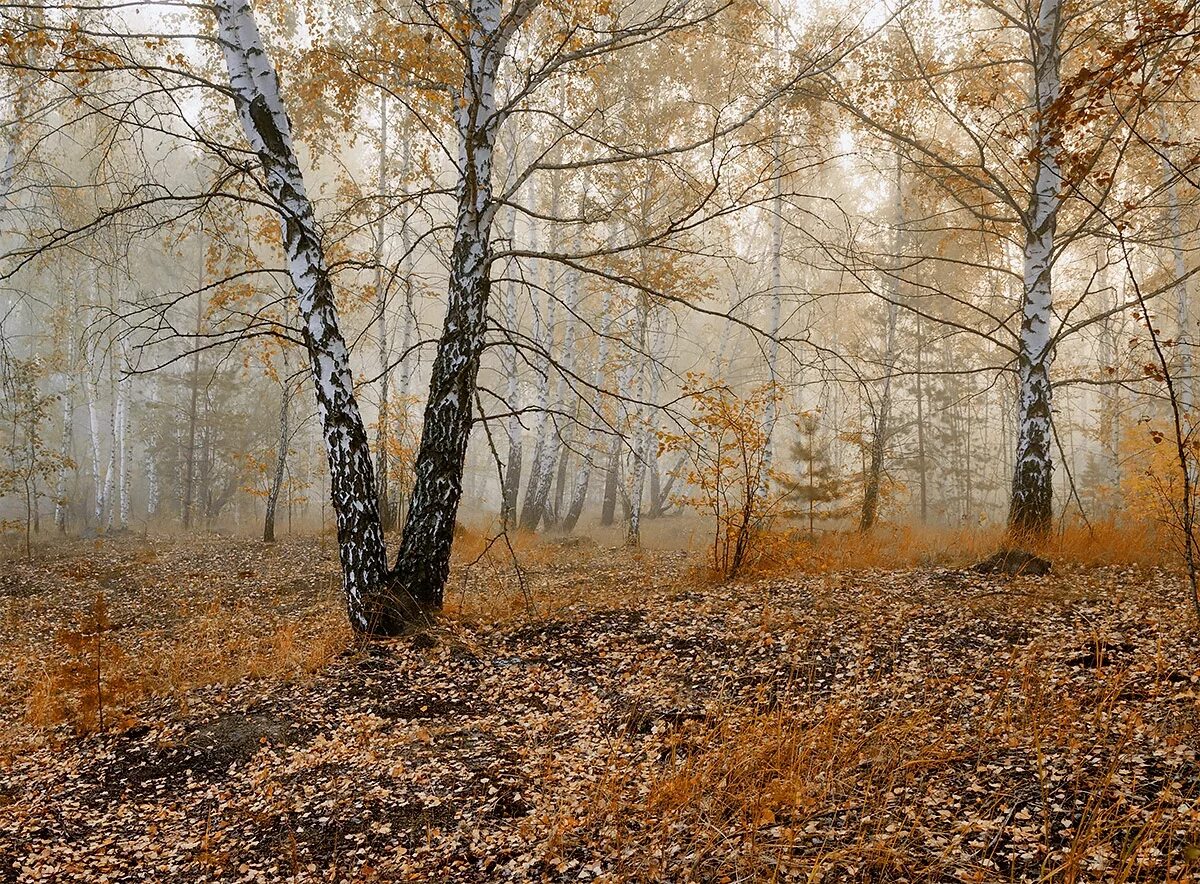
{"x":1104,"y":542}
{"x":179,"y":616}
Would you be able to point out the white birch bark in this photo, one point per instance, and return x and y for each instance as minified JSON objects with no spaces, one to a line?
{"x":64,"y":449}
{"x":641,"y":423}
{"x":110,"y":471}
{"x":281,"y":450}
{"x":1178,"y":267}
{"x":94,"y":430}
{"x":123,"y":443}
{"x":544,"y":322}
{"x":152,"y":490}
{"x":874,"y":476}
{"x":583,"y":478}
{"x":771,"y":413}
{"x":511,"y":365}
{"x":423,"y":563}
{"x":261,"y":111}
{"x":382,"y":430}
{"x":1031,"y":509}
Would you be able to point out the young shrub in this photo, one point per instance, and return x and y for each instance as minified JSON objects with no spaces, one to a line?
{"x":90,"y":688}
{"x":727,"y":467}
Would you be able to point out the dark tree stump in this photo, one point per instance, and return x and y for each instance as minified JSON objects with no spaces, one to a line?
{"x":1013,"y":562}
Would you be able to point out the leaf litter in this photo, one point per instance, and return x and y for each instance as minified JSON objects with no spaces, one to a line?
{"x":629,"y":721}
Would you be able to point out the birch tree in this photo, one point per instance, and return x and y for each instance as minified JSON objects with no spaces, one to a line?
{"x":254,"y":87}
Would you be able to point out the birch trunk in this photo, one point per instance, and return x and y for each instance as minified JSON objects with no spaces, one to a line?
{"x":641,"y":425}
{"x":423,"y":563}
{"x":515,"y":432}
{"x":280,"y":465}
{"x":123,"y":436}
{"x":151,"y":486}
{"x":533,"y":509}
{"x":1179,"y":268}
{"x":874,"y":476}
{"x":64,"y":448}
{"x":922,"y":471}
{"x":189,"y":477}
{"x":771,"y":414}
{"x":110,"y":472}
{"x":382,"y":428}
{"x":1032,"y":503}
{"x":90,"y":392}
{"x":260,"y":107}
{"x":409,"y":359}
{"x":583,"y":478}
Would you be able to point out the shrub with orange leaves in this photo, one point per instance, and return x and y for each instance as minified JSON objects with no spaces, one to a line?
{"x":727,"y":467}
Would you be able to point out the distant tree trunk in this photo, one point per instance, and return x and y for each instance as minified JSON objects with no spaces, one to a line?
{"x":562,"y":442}
{"x":1186,"y":382}
{"x":94,"y":432}
{"x":124,"y":476}
{"x":1112,"y":405}
{"x":641,"y":424}
{"x":280,"y":463}
{"x":669,"y":485}
{"x":1032,"y":504}
{"x":656,"y":498}
{"x":874,"y":477}
{"x":534,"y":507}
{"x":207,"y":460}
{"x":583,"y":478}
{"x":382,"y":428}
{"x":152,"y":490}
{"x":410,"y":359}
{"x":110,"y":472}
{"x":612,"y":479}
{"x":922,"y":469}
{"x":260,"y":107}
{"x":64,"y":448}
{"x":512,"y":469}
{"x":771,"y":413}
{"x":189,"y":476}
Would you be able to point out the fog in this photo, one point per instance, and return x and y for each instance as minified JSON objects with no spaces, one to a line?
{"x":835,"y":227}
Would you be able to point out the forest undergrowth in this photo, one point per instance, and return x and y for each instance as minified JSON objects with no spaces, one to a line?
{"x":850,"y":710}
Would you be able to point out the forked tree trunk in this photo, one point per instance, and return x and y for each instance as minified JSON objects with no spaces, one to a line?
{"x":612,"y":479}
{"x":534,"y":506}
{"x":1031,"y":509}
{"x":260,"y":107}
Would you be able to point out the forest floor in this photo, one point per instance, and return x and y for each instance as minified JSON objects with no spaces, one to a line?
{"x":637,"y":723}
